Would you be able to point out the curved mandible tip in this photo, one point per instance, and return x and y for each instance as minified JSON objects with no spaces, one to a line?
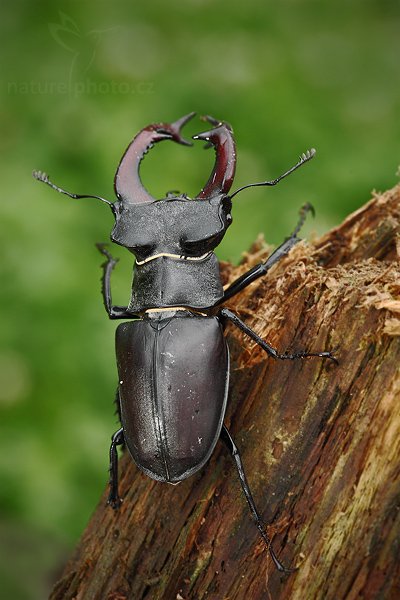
{"x":127,"y":183}
{"x":221,"y":138}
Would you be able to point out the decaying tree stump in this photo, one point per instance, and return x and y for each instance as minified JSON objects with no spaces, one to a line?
{"x":321,"y":445}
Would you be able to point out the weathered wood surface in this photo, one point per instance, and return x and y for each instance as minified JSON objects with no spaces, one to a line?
{"x":321,"y":445}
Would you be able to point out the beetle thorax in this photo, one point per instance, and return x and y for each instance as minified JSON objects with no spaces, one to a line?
{"x":173,"y":241}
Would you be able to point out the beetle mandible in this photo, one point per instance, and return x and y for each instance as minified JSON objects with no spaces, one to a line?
{"x":172,"y":356}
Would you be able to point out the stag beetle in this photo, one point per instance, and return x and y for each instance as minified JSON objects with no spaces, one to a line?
{"x":172,"y":356}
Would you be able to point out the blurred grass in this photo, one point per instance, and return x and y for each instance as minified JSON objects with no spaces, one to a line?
{"x":78,"y":81}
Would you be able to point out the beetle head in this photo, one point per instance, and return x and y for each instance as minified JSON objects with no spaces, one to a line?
{"x":206,"y":217}
{"x":194,"y":225}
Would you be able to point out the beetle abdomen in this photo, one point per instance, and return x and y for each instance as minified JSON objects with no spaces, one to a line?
{"x":173,"y":387}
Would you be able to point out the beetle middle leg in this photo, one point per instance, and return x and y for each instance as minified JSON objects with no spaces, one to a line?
{"x":113,"y":497}
{"x":228,"y":441}
{"x":270,"y":350}
{"x":262,"y":268}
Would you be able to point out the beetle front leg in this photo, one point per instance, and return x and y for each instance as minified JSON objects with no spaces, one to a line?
{"x":228,"y":314}
{"x":117,"y":439}
{"x":262,"y":268}
{"x":230,"y":444}
{"x":114,"y":312}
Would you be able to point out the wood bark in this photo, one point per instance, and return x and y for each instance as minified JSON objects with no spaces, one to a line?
{"x":320,"y":444}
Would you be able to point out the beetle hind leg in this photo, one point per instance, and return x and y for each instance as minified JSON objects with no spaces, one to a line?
{"x":117,"y":403}
{"x":114,"y":499}
{"x":230,"y":444}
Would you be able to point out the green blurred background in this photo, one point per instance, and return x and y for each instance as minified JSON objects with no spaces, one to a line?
{"x":78,"y":80}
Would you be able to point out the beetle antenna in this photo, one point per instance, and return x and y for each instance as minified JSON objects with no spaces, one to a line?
{"x":305,"y":157}
{"x":40,"y":176}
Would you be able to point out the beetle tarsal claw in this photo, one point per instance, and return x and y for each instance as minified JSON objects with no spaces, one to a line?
{"x":115,"y":503}
{"x":308,"y":207}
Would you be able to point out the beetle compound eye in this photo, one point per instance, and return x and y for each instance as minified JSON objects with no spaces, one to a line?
{"x":227,"y":203}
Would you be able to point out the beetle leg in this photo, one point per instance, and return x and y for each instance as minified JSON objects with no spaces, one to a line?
{"x":116,"y":440}
{"x":117,"y":403}
{"x":262,"y":268}
{"x":228,"y":314}
{"x":230,"y":444}
{"x":113,"y":311}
